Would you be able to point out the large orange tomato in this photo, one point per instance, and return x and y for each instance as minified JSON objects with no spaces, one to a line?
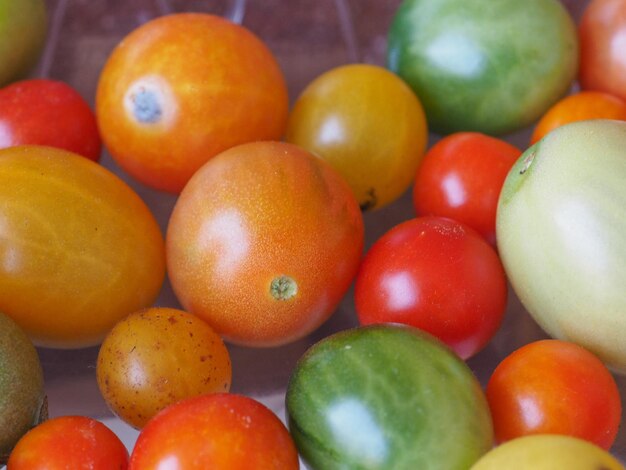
{"x":78,"y":248}
{"x":264,"y":242}
{"x":182,"y":88}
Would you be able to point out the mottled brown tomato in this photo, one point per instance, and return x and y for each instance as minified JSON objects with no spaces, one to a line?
{"x":156,"y":357}
{"x":264,"y":242}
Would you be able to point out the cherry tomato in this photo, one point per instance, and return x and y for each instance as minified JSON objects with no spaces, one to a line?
{"x":182,"y":88}
{"x":438,"y":275}
{"x":219,"y":431}
{"x":461,"y":177}
{"x":156,"y":357}
{"x":79,"y":249}
{"x":75,"y":442}
{"x":602,"y":30}
{"x":368,"y":124}
{"x":264,"y":242}
{"x":556,"y":387}
{"x":48,"y":112}
{"x":580,"y":107}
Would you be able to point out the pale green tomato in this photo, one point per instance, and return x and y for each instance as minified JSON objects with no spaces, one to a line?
{"x":561,"y":231}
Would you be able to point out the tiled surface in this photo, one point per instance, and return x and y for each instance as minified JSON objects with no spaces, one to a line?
{"x":308,"y":37}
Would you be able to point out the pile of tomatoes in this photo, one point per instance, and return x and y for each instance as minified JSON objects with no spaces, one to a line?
{"x":271,"y":232}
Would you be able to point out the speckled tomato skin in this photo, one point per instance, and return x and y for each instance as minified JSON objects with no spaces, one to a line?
{"x":156,"y":357}
{"x":255,"y":213}
{"x":221,"y":87}
{"x":386,"y":397}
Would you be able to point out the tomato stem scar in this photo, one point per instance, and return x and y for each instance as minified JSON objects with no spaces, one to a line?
{"x":283,"y":288}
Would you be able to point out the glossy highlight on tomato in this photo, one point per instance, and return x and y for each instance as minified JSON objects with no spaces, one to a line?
{"x":183,"y":87}
{"x":79,"y":249}
{"x":263,"y":243}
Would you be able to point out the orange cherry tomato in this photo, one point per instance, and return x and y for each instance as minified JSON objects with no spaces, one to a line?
{"x":580,"y":107}
{"x":264,"y":242}
{"x":182,"y":88}
{"x":79,"y":249}
{"x":155,"y":357}
{"x":368,"y":124}
{"x":554,"y":387}
{"x":219,"y":431}
{"x":69,"y":442}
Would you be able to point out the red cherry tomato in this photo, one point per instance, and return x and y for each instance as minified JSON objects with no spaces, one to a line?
{"x":218,"y":431}
{"x":554,"y":387}
{"x":69,"y":442}
{"x":602,"y":35}
{"x":48,"y":112}
{"x":263,"y":243}
{"x":438,"y":275}
{"x":461,"y":177}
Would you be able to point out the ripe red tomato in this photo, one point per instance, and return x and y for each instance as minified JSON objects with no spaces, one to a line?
{"x":263,"y":243}
{"x":554,"y":387}
{"x":219,"y":431}
{"x":69,"y":442}
{"x":602,"y":34}
{"x":48,"y":112}
{"x":438,"y":275}
{"x":461,"y":177}
{"x":182,"y":88}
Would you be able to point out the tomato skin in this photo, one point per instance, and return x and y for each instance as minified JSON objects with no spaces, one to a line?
{"x":48,"y":112}
{"x":81,"y":238}
{"x":155,"y":357}
{"x":219,"y":431}
{"x":368,"y":124}
{"x":461,"y":177}
{"x":438,"y":275}
{"x":64,"y":442}
{"x":602,"y":55}
{"x":263,"y":243}
{"x":554,"y":387}
{"x":182,"y":88}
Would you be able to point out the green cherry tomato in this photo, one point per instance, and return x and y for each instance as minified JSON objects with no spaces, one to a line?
{"x":386,"y":397}
{"x":481,"y":65}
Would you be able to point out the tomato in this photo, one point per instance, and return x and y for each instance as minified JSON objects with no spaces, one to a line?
{"x":219,"y":431}
{"x":48,"y":112}
{"x":264,"y":242}
{"x":386,"y":396}
{"x":79,"y":249}
{"x":482,"y":67}
{"x":547,"y":452}
{"x":579,"y":107}
{"x":438,"y":275}
{"x":554,"y":387}
{"x":461,"y":177}
{"x":602,"y":30}
{"x":182,"y":88}
{"x":561,"y":235}
{"x":367,"y":123}
{"x":64,"y":442}
{"x":23,"y":28}
{"x":155,"y":357}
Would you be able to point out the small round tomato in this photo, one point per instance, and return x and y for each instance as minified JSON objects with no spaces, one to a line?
{"x":368,"y":124}
{"x":461,"y":177}
{"x":264,"y":242}
{"x":438,"y":275}
{"x":155,"y":357}
{"x":602,"y":33}
{"x":182,"y":88}
{"x":219,"y":431}
{"x":580,"y":107}
{"x":69,"y":442}
{"x":48,"y":112}
{"x":79,"y":249}
{"x":555,"y":387}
